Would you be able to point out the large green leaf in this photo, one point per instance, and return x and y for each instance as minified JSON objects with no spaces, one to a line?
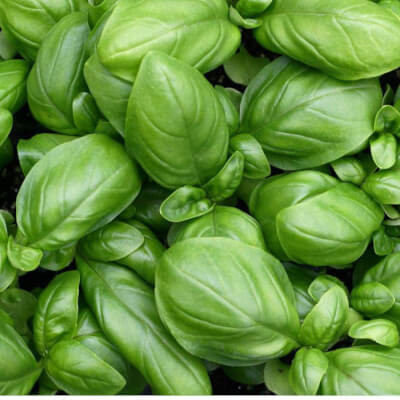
{"x":57,"y":75}
{"x":74,"y":189}
{"x":197,"y":32}
{"x":348,"y":39}
{"x":125,"y":309}
{"x":19,"y":369}
{"x":363,"y":370}
{"x":77,"y":370}
{"x":192,"y":149}
{"x":56,"y":316}
{"x":303,"y":118}
{"x":227,"y":302}
{"x":340,"y":221}
{"x":29,"y":21}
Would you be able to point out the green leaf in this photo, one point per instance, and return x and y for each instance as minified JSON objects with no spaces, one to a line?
{"x":372,"y":298}
{"x":384,"y":186}
{"x":58,"y":259}
{"x":97,"y":8}
{"x":79,"y":205}
{"x":391,"y":211}
{"x":225,"y":183}
{"x":129,"y":34}
{"x":112,"y":242}
{"x":147,"y":206}
{"x":256,"y":165}
{"x":22,"y":257}
{"x":276,"y":377}
{"x":388,"y":96}
{"x":186,"y":203}
{"x":123,"y":304}
{"x":85,"y":112}
{"x":19,"y":369}
{"x":247,"y":290}
{"x":78,"y":371}
{"x":32,"y":150}
{"x":250,"y":8}
{"x":195,"y":148}
{"x":387,"y":272}
{"x":6,"y":124}
{"x":336,"y":27}
{"x":317,"y":120}
{"x":381,"y":331}
{"x":333,"y":233}
{"x":350,"y":169}
{"x":110,"y":92}
{"x":8,"y":49}
{"x":362,"y":370}
{"x":242,"y":67}
{"x":222,"y":221}
{"x":145,"y":259}
{"x":29,"y":21}
{"x":89,"y":334}
{"x":239,"y":20}
{"x":322,"y":283}
{"x":230,"y":111}
{"x":323,"y":326}
{"x":387,"y":120}
{"x":307,"y":370}
{"x":301,"y":279}
{"x":383,"y":244}
{"x":20,"y":305}
{"x":384,"y":150}
{"x":57,"y":75}
{"x":13,"y":75}
{"x":249,"y":375}
{"x":56,"y":315}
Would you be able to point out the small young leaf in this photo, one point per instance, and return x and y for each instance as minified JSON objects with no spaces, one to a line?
{"x":372,"y":298}
{"x":58,"y":259}
{"x":85,"y":112}
{"x":383,"y":244}
{"x":22,"y":257}
{"x":323,"y":326}
{"x":242,"y":67}
{"x":321,"y":284}
{"x":384,"y":150}
{"x":238,"y":20}
{"x":249,"y":375}
{"x":381,"y":331}
{"x":231,"y":112}
{"x":387,"y":120}
{"x":227,"y":180}
{"x":349,"y":169}
{"x":307,"y":370}
{"x":256,"y":165}
{"x":251,"y":8}
{"x":388,"y":96}
{"x":186,"y":203}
